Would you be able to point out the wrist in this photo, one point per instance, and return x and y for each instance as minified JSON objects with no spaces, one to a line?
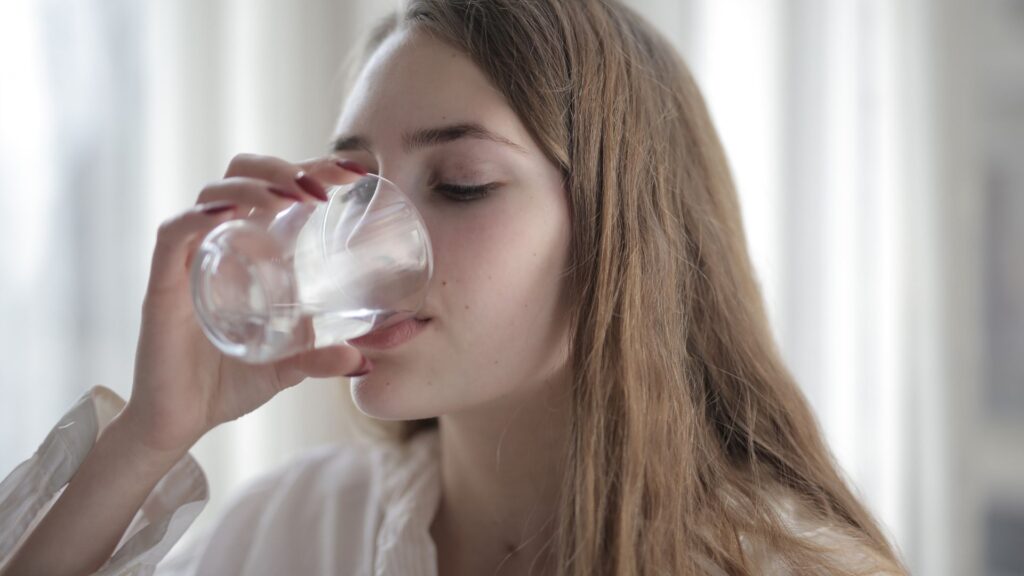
{"x":121,"y":435}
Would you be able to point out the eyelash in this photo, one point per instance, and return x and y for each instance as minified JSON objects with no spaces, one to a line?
{"x":460,"y":193}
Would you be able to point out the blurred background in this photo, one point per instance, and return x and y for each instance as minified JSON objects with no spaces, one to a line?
{"x":878,"y":146}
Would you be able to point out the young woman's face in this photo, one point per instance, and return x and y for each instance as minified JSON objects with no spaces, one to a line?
{"x":498,"y":313}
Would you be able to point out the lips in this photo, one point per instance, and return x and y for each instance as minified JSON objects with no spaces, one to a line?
{"x":392,"y":336}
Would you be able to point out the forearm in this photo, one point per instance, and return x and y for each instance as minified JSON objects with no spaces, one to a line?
{"x":82,"y":528}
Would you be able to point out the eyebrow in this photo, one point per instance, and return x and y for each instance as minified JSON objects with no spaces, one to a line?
{"x":429,"y":137}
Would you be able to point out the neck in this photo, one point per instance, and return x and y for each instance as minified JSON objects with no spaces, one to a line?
{"x":501,"y":471}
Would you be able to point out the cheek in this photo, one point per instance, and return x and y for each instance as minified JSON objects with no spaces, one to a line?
{"x":498,"y":293}
{"x":499,"y":275}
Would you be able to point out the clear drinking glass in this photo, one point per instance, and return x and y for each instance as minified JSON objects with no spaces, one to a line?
{"x":315,"y":274}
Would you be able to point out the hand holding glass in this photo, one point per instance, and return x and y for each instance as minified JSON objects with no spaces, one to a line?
{"x":313,"y":275}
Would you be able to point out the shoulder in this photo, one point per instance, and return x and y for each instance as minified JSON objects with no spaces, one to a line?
{"x":347,"y":476}
{"x":345,"y":467}
{"x":322,"y":506}
{"x":838,"y":546}
{"x":842,"y":546}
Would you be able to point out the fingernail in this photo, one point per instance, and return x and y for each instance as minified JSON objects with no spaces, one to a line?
{"x":352,"y":167}
{"x":310,"y":185}
{"x":363,"y":369}
{"x":218,"y":207}
{"x":285,"y":193}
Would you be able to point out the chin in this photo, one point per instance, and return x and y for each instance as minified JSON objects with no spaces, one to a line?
{"x":384,"y":398}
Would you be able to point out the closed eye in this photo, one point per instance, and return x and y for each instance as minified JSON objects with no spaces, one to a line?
{"x":461,"y":193}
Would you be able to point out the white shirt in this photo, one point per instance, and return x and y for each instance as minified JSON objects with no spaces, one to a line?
{"x":355,"y":509}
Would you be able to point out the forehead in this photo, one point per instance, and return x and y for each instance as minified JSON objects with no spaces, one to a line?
{"x":414,"y":81}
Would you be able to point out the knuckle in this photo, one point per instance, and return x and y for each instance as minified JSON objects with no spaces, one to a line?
{"x":240,"y":162}
{"x":208,"y":191}
{"x":166,"y":228}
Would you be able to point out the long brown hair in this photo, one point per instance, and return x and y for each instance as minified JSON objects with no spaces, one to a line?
{"x":686,"y":427}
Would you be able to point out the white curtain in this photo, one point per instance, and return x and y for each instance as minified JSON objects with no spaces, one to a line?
{"x":114,"y":113}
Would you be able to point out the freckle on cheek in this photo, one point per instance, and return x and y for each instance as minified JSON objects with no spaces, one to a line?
{"x":443,"y":283}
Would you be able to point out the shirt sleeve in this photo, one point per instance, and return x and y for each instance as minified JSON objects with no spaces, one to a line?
{"x":29,"y":491}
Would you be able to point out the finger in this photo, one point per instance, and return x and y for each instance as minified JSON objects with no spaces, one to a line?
{"x":177,"y":238}
{"x":333,"y":171}
{"x":338,"y":360}
{"x":281,"y":173}
{"x":253,"y":192}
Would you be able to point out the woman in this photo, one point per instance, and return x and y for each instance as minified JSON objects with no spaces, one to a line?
{"x":592,"y":389}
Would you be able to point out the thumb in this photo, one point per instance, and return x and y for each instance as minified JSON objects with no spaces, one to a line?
{"x":338,"y":360}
